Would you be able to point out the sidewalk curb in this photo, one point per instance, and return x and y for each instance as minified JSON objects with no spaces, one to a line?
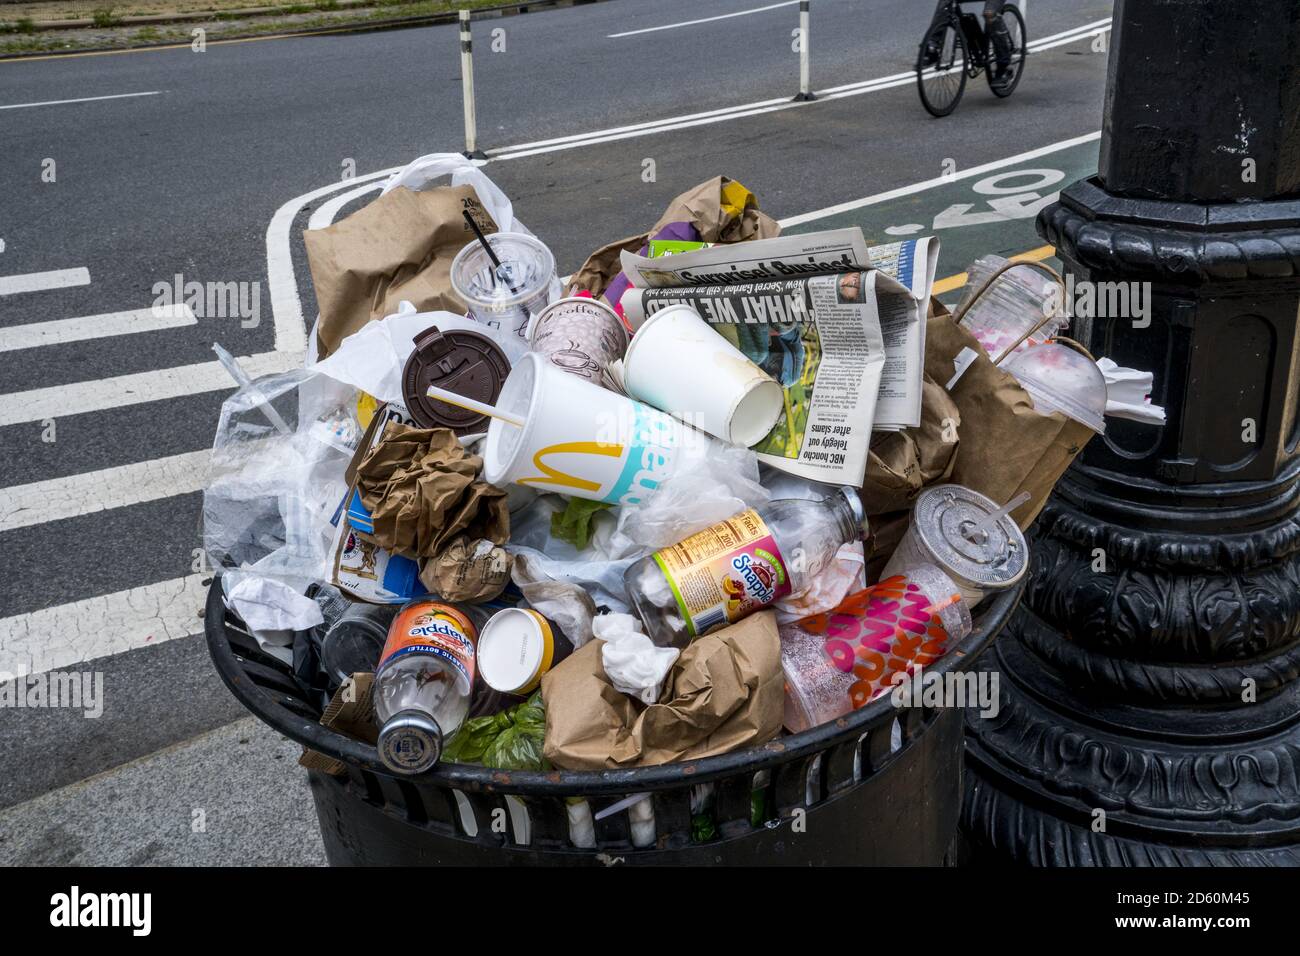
{"x":431,"y":19}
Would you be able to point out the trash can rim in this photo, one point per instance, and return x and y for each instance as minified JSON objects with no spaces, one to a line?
{"x":471,"y":777}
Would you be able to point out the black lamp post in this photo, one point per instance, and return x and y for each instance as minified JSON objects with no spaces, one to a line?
{"x":1150,"y":682}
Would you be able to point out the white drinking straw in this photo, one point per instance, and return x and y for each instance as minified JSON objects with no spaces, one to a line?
{"x":460,"y":401}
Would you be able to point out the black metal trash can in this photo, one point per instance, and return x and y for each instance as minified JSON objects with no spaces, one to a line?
{"x":843,"y":793}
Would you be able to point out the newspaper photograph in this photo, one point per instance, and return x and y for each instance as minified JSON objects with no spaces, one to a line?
{"x":822,"y":339}
{"x":783,"y":257}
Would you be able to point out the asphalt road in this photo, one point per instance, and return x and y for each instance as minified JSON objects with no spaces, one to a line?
{"x":187,"y":182}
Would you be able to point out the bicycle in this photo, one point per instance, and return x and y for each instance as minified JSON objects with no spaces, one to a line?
{"x":957,"y":46}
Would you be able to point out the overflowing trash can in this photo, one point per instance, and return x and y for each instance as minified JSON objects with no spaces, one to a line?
{"x":682,"y":560}
{"x":881,"y":786}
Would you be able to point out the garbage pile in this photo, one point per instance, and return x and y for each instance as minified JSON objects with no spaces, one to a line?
{"x":728,"y":484}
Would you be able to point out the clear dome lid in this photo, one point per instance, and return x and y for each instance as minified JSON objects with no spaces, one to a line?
{"x":526,"y":269}
{"x":1059,"y":379}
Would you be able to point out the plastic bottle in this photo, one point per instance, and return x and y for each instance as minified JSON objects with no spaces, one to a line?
{"x":424,"y":682}
{"x":738,"y":566}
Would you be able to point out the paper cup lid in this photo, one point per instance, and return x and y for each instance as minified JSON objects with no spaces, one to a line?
{"x":996,"y":560}
{"x":461,"y":361}
{"x":515,"y":648}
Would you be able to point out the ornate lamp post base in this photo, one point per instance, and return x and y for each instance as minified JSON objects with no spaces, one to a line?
{"x":1149,"y":706}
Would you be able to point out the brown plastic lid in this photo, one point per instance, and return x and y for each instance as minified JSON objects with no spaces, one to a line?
{"x":461,"y":361}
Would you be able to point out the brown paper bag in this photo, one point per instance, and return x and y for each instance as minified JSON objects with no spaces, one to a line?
{"x":423,"y":491}
{"x":900,"y":464}
{"x":706,"y":207}
{"x":1006,"y":446}
{"x":351,"y":711}
{"x":398,"y":247}
{"x":726,"y":691}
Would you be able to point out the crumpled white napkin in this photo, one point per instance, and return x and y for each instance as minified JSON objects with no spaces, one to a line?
{"x":633,"y":663}
{"x":1128,"y":394}
{"x":271,"y":610}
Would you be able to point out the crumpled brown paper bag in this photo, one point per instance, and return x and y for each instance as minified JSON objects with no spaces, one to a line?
{"x":423,"y":491}
{"x":900,"y":464}
{"x":726,"y":691}
{"x":1006,"y":446}
{"x":704,"y":207}
{"x":398,"y":247}
{"x":469,"y":571}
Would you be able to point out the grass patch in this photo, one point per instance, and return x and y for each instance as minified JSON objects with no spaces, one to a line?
{"x":103,"y":17}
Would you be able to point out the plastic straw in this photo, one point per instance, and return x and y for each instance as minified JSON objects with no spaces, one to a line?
{"x":993,"y":518}
{"x":460,"y":401}
{"x":621,"y":805}
{"x":243,"y":381}
{"x":487,"y":247}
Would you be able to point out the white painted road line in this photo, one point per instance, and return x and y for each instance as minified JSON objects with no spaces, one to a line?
{"x":58,"y":498}
{"x":71,"y":634}
{"x":85,"y":327}
{"x":691,"y":23}
{"x":286,"y":307}
{"x":756,"y":108}
{"x":83,"y":99}
{"x":40,"y":281}
{"x":937,"y":181}
{"x":157,"y":385}
{"x":324,"y":213}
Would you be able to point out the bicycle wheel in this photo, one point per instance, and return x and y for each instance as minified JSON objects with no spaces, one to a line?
{"x":1015,"y":26}
{"x":941,"y":69}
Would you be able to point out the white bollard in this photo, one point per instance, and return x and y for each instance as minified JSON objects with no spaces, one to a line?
{"x":467,"y":87}
{"x":805,"y":56}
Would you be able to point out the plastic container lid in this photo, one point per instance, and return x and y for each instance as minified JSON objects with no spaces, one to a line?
{"x":515,"y":648}
{"x":526,"y":270}
{"x":995,"y":559}
{"x":461,"y":361}
{"x":1059,"y":379}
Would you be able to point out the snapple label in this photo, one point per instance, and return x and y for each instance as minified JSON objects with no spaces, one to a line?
{"x":428,"y":627}
{"x":725,"y":572}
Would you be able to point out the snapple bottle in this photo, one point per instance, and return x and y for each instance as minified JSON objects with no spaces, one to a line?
{"x":738,"y":566}
{"x":424,"y":682}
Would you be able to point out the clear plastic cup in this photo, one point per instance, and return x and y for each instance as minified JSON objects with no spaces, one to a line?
{"x":504,"y":297}
{"x":1017,"y":300}
{"x":1060,"y":379}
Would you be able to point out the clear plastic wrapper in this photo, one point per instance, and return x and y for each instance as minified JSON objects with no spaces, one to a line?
{"x":276,"y":476}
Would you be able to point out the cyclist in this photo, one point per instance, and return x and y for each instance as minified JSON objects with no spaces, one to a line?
{"x":994,"y":28}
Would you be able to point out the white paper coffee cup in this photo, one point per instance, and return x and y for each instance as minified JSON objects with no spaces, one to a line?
{"x":676,"y":363}
{"x":580,"y":439}
{"x":579,"y":335}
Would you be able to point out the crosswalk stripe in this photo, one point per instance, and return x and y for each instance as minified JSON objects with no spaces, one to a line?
{"x":102,"y":326}
{"x":79,"y":398}
{"x":58,"y":498}
{"x":40,"y":281}
{"x":69,"y":634}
